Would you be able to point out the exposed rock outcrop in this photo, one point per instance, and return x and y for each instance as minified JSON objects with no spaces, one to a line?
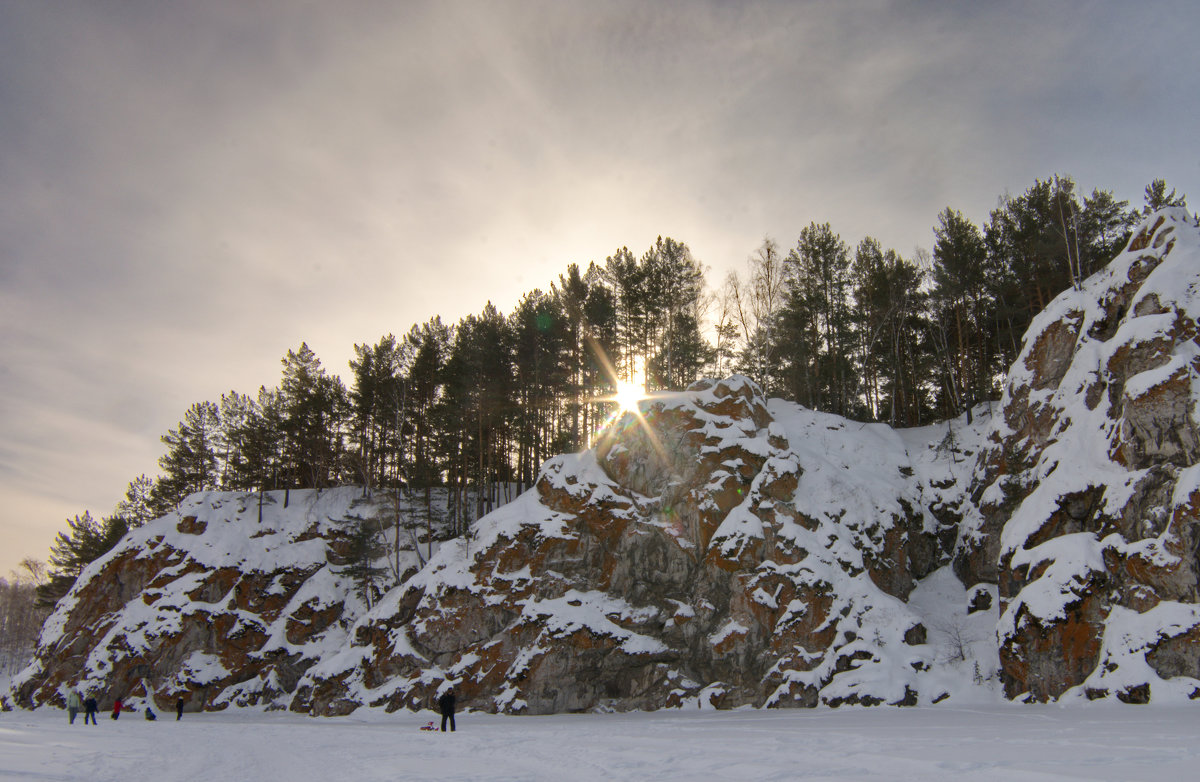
{"x":711,"y":547}
{"x":208,"y":604}
{"x":1090,"y":491}
{"x":718,"y":548}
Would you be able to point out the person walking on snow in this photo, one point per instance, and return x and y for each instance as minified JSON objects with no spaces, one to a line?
{"x":179,"y":710}
{"x":446,"y":707}
{"x":90,"y":707}
{"x":74,"y":704}
{"x":116,"y":708}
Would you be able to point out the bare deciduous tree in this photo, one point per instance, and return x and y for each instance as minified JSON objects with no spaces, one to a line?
{"x":20,"y":617}
{"x":756,"y":303}
{"x":957,"y":640}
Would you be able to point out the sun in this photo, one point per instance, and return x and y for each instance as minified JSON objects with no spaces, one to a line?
{"x":628,"y":395}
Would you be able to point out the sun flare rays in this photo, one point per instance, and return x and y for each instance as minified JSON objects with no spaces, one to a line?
{"x":628,"y":395}
{"x":626,"y":399}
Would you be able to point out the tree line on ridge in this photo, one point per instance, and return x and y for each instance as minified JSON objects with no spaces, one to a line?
{"x":473,"y":408}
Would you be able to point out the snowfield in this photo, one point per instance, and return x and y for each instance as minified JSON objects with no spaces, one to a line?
{"x":1000,"y":743}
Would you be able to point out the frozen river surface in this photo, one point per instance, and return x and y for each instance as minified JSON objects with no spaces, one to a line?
{"x":1006,"y":743}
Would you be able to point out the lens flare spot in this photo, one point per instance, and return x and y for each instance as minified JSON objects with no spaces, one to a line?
{"x":628,"y":395}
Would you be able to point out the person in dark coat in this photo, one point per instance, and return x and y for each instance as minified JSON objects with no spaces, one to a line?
{"x":150,"y":715}
{"x":446,"y":707}
{"x":116,"y":708}
{"x":179,"y":710}
{"x":90,"y":707}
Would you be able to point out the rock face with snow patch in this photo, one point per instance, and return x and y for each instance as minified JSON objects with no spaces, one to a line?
{"x":224,"y":602}
{"x":1089,"y":498}
{"x":713,"y":548}
{"x":710,"y":548}
{"x":717,"y":548}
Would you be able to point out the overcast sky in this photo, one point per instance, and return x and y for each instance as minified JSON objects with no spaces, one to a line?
{"x":188,"y":190}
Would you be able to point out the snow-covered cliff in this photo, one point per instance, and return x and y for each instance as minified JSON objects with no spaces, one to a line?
{"x":228,"y":600}
{"x":1089,"y":490}
{"x":721,"y":549}
{"x":712,"y":549}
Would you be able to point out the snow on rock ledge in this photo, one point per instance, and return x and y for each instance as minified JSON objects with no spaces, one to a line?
{"x":720,"y":549}
{"x":712,"y":549}
{"x":223,"y":602}
{"x":1090,"y":495}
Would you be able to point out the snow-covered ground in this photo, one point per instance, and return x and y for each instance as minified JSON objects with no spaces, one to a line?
{"x":1004,"y":743}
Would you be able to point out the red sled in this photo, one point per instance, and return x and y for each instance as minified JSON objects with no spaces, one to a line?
{"x":430,"y":726}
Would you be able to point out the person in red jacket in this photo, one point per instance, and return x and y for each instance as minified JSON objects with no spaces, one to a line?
{"x":116,"y":708}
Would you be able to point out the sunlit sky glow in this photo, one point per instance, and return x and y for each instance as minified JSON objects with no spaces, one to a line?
{"x":190,"y":189}
{"x":628,"y":395}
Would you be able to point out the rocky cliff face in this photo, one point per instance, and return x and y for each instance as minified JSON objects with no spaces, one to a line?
{"x":712,"y":547}
{"x":720,"y":549}
{"x":1089,"y":491}
{"x":208,"y":604}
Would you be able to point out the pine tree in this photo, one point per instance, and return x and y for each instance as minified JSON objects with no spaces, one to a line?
{"x":315,"y":406}
{"x":1105,"y":226}
{"x":363,"y":547}
{"x":889,"y":322}
{"x":571,"y":300}
{"x":425,"y":349}
{"x":601,"y":314}
{"x":872,"y":312}
{"x":1157,"y":197}
{"x":236,"y":411}
{"x":257,"y":461}
{"x":473,"y":411}
{"x":818,"y":328}
{"x":676,"y":349}
{"x":190,"y":463}
{"x":1040,"y":243}
{"x":139,"y":506}
{"x":85,"y":541}
{"x":626,"y":277}
{"x":1031,"y":244}
{"x":961,"y":303}
{"x":541,"y":361}
{"x":375,"y":400}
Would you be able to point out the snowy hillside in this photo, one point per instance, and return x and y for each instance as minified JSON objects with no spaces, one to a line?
{"x":718,"y":549}
{"x":225,"y":601}
{"x":714,"y":550}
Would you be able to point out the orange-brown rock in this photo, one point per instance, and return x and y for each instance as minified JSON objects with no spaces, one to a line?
{"x":670,"y":564}
{"x":1086,"y":495}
